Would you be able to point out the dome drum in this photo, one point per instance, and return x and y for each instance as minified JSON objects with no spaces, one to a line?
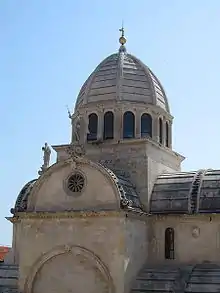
{"x":126,"y":121}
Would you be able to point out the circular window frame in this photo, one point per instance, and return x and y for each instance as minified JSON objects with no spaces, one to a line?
{"x":66,"y":183}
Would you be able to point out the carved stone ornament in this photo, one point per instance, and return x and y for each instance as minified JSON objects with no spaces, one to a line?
{"x":195,"y":232}
{"x":68,"y":248}
{"x":75,"y":150}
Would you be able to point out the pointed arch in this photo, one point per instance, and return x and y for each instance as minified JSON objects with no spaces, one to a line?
{"x":93,"y":127}
{"x":146,"y":125}
{"x":167,"y":134}
{"x":160,"y":131}
{"x":108,"y":125}
{"x":128,"y":125}
{"x":169,"y":243}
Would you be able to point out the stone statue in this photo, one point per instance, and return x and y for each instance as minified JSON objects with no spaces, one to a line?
{"x":77,"y":124}
{"x":46,"y":158}
{"x":47,"y":152}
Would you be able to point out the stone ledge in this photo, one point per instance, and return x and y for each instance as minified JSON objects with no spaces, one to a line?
{"x":74,"y":214}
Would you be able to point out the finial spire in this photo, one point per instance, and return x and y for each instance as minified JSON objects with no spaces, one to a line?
{"x":122,"y":39}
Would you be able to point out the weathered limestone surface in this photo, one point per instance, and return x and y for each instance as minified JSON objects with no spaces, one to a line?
{"x":109,"y":235}
{"x":197,"y":238}
{"x":111,"y":246}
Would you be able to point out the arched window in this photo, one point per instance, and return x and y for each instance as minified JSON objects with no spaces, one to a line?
{"x":169,"y":243}
{"x":167,"y":134}
{"x":93,"y":127}
{"x":108,"y":125}
{"x":146,"y":125}
{"x":160,"y":130}
{"x":128,"y":125}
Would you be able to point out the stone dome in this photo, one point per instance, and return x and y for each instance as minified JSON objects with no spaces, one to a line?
{"x":123,"y":77}
{"x":21,"y":202}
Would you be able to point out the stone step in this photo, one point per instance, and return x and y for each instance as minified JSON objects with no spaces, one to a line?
{"x":8,"y":282}
{"x":8,"y":273}
{"x":163,"y":285}
{"x":206,"y":270}
{"x":7,"y":266}
{"x":156,"y":278}
{"x":161,"y":270}
{"x":207,"y":274}
{"x":154,"y":291}
{"x":200,"y":288}
{"x":205,"y":279}
{"x":4,"y":289}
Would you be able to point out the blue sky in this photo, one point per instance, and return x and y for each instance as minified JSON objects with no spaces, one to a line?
{"x":49,"y":47}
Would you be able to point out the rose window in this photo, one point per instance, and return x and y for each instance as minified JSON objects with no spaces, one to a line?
{"x":75,"y":182}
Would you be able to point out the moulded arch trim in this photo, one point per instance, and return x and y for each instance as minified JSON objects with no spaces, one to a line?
{"x":147,"y":111}
{"x":93,"y":125}
{"x":134,"y":116}
{"x":63,"y":249}
{"x":55,"y":167}
{"x":109,"y":110}
{"x":92,"y":111}
{"x":146,"y":121}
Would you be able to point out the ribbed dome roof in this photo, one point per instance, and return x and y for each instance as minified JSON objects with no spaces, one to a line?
{"x":123,"y":77}
{"x":21,"y":202}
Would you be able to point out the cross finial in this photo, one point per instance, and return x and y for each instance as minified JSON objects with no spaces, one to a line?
{"x":122,"y":39}
{"x":122,"y":29}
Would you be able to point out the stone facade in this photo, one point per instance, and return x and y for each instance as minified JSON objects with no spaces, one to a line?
{"x":115,"y":214}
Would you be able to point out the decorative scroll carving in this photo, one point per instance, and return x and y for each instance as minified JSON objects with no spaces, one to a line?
{"x":75,"y":151}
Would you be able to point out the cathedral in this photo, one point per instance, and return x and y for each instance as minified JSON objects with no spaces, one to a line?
{"x":115,"y":213}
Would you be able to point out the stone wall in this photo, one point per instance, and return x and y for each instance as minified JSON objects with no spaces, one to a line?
{"x":142,"y":161}
{"x":106,"y":251}
{"x":197,"y":238}
{"x":102,"y":236}
{"x":136,"y":250}
{"x":50,"y":193}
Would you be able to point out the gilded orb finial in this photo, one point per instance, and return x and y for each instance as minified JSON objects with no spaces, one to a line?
{"x":122,"y":39}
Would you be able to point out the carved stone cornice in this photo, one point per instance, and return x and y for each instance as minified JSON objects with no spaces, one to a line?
{"x":73,"y":214}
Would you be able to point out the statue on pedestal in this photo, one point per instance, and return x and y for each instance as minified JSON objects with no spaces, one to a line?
{"x":46,"y":158}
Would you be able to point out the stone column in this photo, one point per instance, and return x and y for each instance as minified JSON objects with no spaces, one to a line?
{"x":85,"y":127}
{"x":155,"y":126}
{"x":118,"y":124}
{"x":164,"y":131}
{"x":100,"y":124}
{"x":137,"y":114}
{"x":170,"y":135}
{"x":72,"y":130}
